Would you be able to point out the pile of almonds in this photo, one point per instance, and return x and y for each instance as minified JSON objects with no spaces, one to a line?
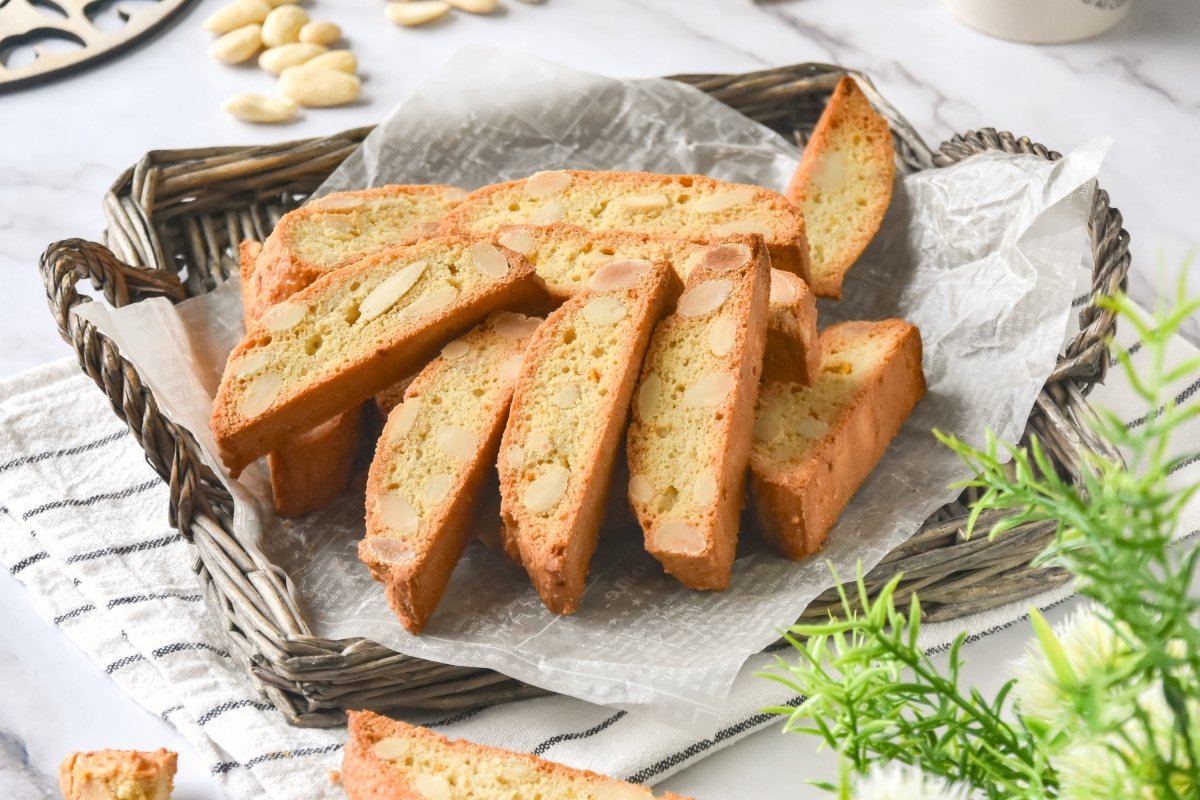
{"x":410,"y":13}
{"x":289,"y":45}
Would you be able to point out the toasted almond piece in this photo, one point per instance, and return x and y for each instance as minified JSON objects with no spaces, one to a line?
{"x":618,"y":274}
{"x":742,"y":226}
{"x":283,"y":24}
{"x":320,"y":32}
{"x":516,"y":456}
{"x":397,"y":514}
{"x":389,"y":550}
{"x":261,"y":394}
{"x":515,"y":326}
{"x":511,"y":368}
{"x":544,"y":215}
{"x":541,"y":184}
{"x":252,"y":364}
{"x":723,"y":257}
{"x":427,"y":303}
{"x":489,"y":260}
{"x":518,"y":241}
{"x":721,"y":335}
{"x":283,"y":316}
{"x":433,"y":787}
{"x":704,"y":489}
{"x":547,"y":490}
{"x":455,"y":350}
{"x":416,"y":12}
{"x":238,"y":45}
{"x":604,"y":310}
{"x":723,"y":201}
{"x":648,"y":396}
{"x":435,"y":488}
{"x":319,"y":87}
{"x":260,"y":108}
{"x":678,"y":537}
{"x":456,"y":442}
{"x":640,"y":488}
{"x":406,"y":415}
{"x":236,"y":15}
{"x":388,"y":293}
{"x":275,"y":60}
{"x":567,"y":396}
{"x":646,"y":202}
{"x":767,"y":429}
{"x":783,"y":286}
{"x":709,"y":390}
{"x":341,"y":60}
{"x":704,"y":298}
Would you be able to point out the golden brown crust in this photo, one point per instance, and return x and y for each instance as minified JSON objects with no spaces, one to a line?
{"x":696,"y":539}
{"x":793,"y":352}
{"x":787,"y":243}
{"x":401,"y":347}
{"x":848,"y":121}
{"x":315,"y":468}
{"x":797,"y":503}
{"x":556,"y":544}
{"x":127,"y":774}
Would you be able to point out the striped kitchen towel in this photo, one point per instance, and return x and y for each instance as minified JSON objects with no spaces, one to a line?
{"x":83,"y":526}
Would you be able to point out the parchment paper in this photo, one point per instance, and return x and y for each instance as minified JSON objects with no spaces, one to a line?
{"x":983,"y":257}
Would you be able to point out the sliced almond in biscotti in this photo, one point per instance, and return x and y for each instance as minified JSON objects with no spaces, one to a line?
{"x":437,"y":451}
{"x":337,"y":229}
{"x":569,"y":411}
{"x":389,"y":759}
{"x":843,"y":184}
{"x":689,"y":442}
{"x":355,"y":332}
{"x":687,"y":206}
{"x":815,"y":445}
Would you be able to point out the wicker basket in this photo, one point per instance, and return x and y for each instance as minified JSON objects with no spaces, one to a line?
{"x":174,"y":220}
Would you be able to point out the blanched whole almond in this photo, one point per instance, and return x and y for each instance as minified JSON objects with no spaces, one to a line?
{"x":438,"y":299}
{"x":320,"y":32}
{"x":252,"y":363}
{"x":276,"y":59}
{"x":783,"y":286}
{"x":283,"y":24}
{"x":474,"y":6}
{"x":547,"y":490}
{"x":742,"y":226}
{"x":604,"y":310}
{"x":390,"y":551}
{"x":567,"y":396}
{"x":704,"y":298}
{"x":319,"y":87}
{"x":640,"y":489}
{"x":435,"y":488}
{"x":456,"y":442}
{"x":511,"y":368}
{"x":396,"y":513}
{"x":709,"y":390}
{"x":386,"y":294}
{"x":283,"y":316}
{"x":238,"y":45}
{"x":704,"y":489}
{"x":260,"y":108}
{"x":416,"y":12}
{"x":721,"y":335}
{"x":543,"y":215}
{"x":489,"y":260}
{"x":722,"y":257}
{"x":618,"y":274}
{"x":676,"y":536}
{"x":541,"y":184}
{"x":455,"y":350}
{"x":723,"y":200}
{"x":518,"y":241}
{"x":404,"y":416}
{"x":644,"y":203}
{"x":648,"y":395}
{"x":236,"y":15}
{"x":515,"y":326}
{"x":261,"y":394}
{"x":341,"y":60}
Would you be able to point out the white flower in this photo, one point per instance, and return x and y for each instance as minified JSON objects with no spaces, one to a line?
{"x":1091,"y":648}
{"x":903,"y":782}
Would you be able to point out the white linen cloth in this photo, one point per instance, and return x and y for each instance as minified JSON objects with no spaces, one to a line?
{"x":83,"y":525}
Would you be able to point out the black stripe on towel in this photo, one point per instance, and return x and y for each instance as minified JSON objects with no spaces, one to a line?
{"x":180,"y":647}
{"x":70,"y":451}
{"x":216,"y":711}
{"x":462,"y":716}
{"x":125,"y":549}
{"x":1187,"y":462}
{"x":1180,"y":399}
{"x":28,"y":561}
{"x":222,"y":767}
{"x":123,"y":662}
{"x":73,"y":613}
{"x":141,"y":598}
{"x":569,"y":737}
{"x":96,"y":498}
{"x":166,"y":712}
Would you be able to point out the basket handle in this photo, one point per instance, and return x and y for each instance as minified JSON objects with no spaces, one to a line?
{"x":170,"y":450}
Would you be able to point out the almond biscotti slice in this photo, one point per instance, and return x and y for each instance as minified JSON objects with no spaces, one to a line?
{"x":386,"y":759}
{"x":843,"y":184}
{"x":438,"y":448}
{"x":568,"y":413}
{"x":687,"y":206}
{"x":689,"y":442}
{"x":815,"y":445}
{"x":565,"y":256}
{"x":340,"y":228}
{"x":355,"y":332}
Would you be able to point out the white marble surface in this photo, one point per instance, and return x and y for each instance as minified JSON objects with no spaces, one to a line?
{"x":63,"y":144}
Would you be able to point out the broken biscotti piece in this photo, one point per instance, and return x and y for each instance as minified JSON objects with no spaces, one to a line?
{"x":337,"y":229}
{"x":689,"y":442}
{"x":815,"y":445}
{"x":355,"y":332}
{"x":123,"y":774}
{"x":565,"y":256}
{"x":437,"y":450}
{"x":568,"y":413}
{"x":389,"y":760}
{"x":843,"y":184}
{"x":686,"y":206}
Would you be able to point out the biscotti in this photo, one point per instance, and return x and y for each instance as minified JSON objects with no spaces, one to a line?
{"x":843,"y":184}
{"x":568,"y":413}
{"x":814,"y":446}
{"x":437,"y":451}
{"x":689,"y":442}
{"x":335,"y":230}
{"x":565,"y":256}
{"x":386,"y":759}
{"x":124,"y":774}
{"x":355,"y":332}
{"x":687,"y":206}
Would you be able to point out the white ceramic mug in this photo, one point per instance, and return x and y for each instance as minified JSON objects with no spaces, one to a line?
{"x":1040,"y":21}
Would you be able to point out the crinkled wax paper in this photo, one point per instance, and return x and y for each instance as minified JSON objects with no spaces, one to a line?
{"x":983,"y":257}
